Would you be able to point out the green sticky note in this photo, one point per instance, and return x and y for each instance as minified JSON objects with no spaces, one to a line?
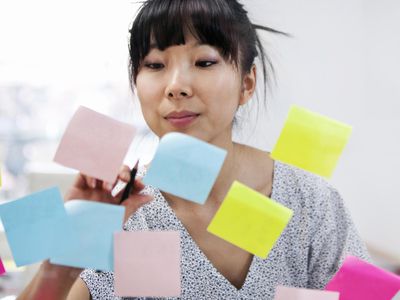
{"x":311,"y":141}
{"x":250,"y":220}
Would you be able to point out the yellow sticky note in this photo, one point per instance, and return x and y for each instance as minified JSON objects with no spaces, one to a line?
{"x":311,"y":141}
{"x":250,"y":220}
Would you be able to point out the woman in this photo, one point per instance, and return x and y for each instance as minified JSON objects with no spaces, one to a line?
{"x":193,"y":66}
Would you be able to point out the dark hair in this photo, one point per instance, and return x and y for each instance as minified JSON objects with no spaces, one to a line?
{"x":223,"y":24}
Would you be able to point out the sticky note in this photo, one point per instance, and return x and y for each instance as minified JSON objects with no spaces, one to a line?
{"x":185,"y":167}
{"x":93,"y":224}
{"x":94,"y":144}
{"x":397,"y":297}
{"x":357,"y":279}
{"x":250,"y":220}
{"x":292,"y":293}
{"x":9,"y":266}
{"x":2,"y":269}
{"x":147,"y":264}
{"x":34,"y":224}
{"x":311,"y":141}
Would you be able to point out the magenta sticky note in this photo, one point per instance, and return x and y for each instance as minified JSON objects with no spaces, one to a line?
{"x":147,"y":264}
{"x":357,"y":279}
{"x":2,"y":269}
{"x":95,"y":144}
{"x":292,"y":293}
{"x":397,"y":296}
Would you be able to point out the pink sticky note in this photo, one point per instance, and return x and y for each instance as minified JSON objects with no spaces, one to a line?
{"x":2,"y":269}
{"x":95,"y":144}
{"x":291,"y":293}
{"x":358,"y":279}
{"x":397,"y":296}
{"x":147,"y":264}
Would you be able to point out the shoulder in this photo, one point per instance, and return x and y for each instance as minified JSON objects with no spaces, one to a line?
{"x":301,"y":187}
{"x":319,"y":209}
{"x":316,"y":204}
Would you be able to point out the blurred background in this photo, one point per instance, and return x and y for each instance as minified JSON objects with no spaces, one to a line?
{"x":341,"y":61}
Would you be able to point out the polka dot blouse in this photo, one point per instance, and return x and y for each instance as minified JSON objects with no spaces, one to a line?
{"x":307,"y":254}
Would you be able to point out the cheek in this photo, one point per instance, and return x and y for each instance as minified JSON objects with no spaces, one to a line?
{"x":146,"y":91}
{"x":148,"y":97}
{"x":223,"y":94}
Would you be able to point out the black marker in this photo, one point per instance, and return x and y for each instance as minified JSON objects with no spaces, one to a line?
{"x":130,"y":184}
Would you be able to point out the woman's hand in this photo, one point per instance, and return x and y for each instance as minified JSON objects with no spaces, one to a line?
{"x":89,"y":188}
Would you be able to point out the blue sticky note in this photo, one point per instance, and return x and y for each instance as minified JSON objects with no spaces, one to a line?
{"x":33,"y":224}
{"x":93,"y":224}
{"x":185,"y":167}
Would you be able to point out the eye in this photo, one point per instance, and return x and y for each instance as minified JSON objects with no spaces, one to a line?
{"x":154,"y":66}
{"x":205,"y":63}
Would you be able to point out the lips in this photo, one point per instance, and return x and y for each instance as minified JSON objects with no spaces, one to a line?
{"x":181,"y":114}
{"x":181,"y":118}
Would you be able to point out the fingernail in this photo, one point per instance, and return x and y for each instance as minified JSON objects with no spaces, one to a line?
{"x":109,"y":186}
{"x":93,"y":183}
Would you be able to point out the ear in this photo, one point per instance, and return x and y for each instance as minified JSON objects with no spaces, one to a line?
{"x":248,"y":85}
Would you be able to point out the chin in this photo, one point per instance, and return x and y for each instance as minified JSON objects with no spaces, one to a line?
{"x":196,"y":133}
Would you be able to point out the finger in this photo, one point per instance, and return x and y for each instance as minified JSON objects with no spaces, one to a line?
{"x":107,"y":186}
{"x":124,"y":173}
{"x":124,"y":177}
{"x":133,"y":203}
{"x":90,"y":181}
{"x":118,"y":188}
{"x":121,"y":181}
{"x":80,"y":181}
{"x":136,"y":201}
{"x":138,"y":186}
{"x":84,"y":181}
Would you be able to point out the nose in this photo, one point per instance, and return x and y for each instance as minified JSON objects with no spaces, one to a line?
{"x":179,"y":86}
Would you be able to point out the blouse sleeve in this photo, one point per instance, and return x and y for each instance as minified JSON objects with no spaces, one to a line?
{"x":334,"y":237}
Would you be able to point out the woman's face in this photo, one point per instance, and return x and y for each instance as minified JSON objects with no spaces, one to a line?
{"x":190,"y":89}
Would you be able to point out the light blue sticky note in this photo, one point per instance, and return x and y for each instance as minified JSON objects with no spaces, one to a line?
{"x":94,"y":225}
{"x":33,"y":224}
{"x":185,"y":167}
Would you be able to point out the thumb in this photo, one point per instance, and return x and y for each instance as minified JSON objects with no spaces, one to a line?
{"x":134,"y":202}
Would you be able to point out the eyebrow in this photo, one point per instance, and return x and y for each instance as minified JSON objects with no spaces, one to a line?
{"x":197,"y":44}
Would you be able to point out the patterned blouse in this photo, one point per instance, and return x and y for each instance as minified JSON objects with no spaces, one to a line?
{"x":307,"y":254}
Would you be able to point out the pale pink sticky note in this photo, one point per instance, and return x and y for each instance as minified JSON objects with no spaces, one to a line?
{"x":291,"y":293}
{"x":147,"y":264}
{"x":95,"y":144}
{"x":358,"y":279}
{"x":2,"y":269}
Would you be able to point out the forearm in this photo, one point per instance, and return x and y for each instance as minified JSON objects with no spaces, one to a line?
{"x":52,"y":282}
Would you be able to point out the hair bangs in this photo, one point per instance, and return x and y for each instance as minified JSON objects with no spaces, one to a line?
{"x":164,"y":23}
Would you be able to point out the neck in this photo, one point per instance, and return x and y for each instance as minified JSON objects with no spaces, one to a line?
{"x":238,"y":165}
{"x":230,"y":171}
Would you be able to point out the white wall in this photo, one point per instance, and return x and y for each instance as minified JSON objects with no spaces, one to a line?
{"x":343,"y":61}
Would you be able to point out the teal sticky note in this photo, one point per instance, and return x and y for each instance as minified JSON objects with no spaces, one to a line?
{"x":33,"y":224}
{"x":93,"y":224}
{"x":185,"y":167}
